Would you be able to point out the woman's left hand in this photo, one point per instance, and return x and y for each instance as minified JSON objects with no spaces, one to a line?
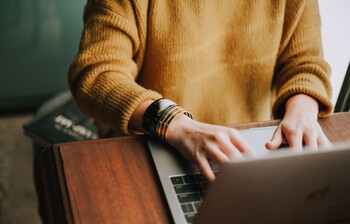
{"x":299,"y":126}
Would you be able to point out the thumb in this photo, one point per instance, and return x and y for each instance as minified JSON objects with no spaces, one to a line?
{"x":276,"y":139}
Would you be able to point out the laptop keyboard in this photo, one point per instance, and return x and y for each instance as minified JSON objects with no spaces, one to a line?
{"x":190,"y":190}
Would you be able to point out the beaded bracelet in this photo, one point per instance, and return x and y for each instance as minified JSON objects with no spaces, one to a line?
{"x":159,"y":114}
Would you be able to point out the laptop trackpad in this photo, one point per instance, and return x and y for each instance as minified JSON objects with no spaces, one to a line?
{"x":258,"y":137}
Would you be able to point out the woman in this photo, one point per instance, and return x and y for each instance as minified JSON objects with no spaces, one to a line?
{"x":226,"y":62}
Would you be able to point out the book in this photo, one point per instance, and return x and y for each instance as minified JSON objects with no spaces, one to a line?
{"x":60,"y":120}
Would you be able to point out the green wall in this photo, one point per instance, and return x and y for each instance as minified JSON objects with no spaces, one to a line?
{"x":38,"y":40}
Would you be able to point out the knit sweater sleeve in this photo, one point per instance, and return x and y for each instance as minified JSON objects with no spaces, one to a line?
{"x":300,"y":66}
{"x":102,"y":76}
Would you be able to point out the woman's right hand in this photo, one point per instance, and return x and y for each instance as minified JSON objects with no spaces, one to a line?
{"x":203,"y":143}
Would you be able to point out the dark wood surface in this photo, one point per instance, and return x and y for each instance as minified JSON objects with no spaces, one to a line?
{"x":113,"y":180}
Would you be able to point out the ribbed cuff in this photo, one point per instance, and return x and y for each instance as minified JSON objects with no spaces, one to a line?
{"x":307,"y":87}
{"x":126,"y":107}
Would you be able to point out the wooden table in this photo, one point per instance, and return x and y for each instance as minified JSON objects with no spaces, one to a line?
{"x":113,"y":180}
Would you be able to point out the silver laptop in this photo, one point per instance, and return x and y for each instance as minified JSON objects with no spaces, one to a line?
{"x":277,"y":187}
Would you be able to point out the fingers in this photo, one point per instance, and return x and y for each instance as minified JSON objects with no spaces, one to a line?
{"x":310,"y":140}
{"x":230,"y":151}
{"x":216,"y":154}
{"x":225,"y":146}
{"x":322,"y":139}
{"x":241,"y":144}
{"x":323,"y":142}
{"x":231,"y":144}
{"x":311,"y":136}
{"x":276,"y":139}
{"x":294,"y":137}
{"x":200,"y":142}
{"x":205,"y":169}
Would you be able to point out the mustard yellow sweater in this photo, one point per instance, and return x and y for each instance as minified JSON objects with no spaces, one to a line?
{"x":227,"y":61}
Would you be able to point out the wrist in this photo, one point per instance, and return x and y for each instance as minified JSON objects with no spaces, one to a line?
{"x":179,"y":125}
{"x":302,"y":102}
{"x":135,"y":122}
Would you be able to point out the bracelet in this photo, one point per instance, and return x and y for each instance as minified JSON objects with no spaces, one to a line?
{"x":170,"y":115}
{"x":158,"y":116}
{"x":153,"y":113}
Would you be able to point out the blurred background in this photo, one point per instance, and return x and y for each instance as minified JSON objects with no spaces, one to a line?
{"x":38,"y":40}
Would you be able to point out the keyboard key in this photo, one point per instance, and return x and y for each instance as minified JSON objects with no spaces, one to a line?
{"x":185,"y":198}
{"x":189,"y":179}
{"x":200,"y":178}
{"x":186,"y":208}
{"x":202,"y":194}
{"x":197,"y":205}
{"x":190,"y":190}
{"x":190,"y":217}
{"x":176,"y":180}
{"x":205,"y":186}
{"x":187,"y":188}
